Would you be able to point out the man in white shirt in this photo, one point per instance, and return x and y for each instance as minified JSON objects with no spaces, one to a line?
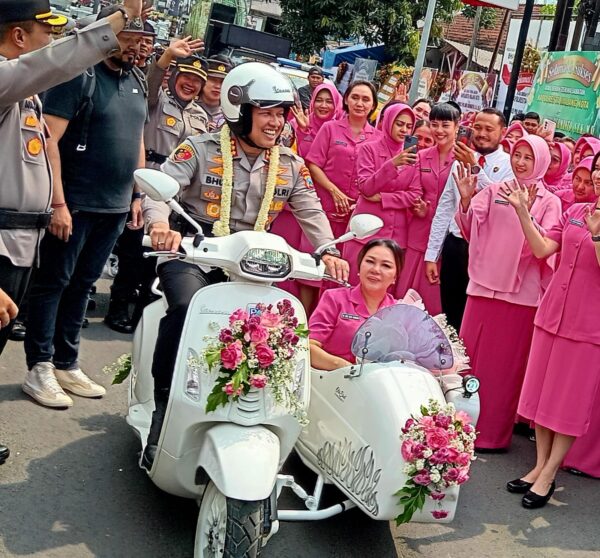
{"x":491,"y":165}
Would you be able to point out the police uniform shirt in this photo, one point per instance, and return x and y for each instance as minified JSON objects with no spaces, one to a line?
{"x":169,"y":124}
{"x":25,"y":177}
{"x":197,"y":165}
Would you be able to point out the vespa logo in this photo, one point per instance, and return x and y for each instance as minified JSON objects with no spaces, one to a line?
{"x":253,"y":309}
{"x":280,"y":90}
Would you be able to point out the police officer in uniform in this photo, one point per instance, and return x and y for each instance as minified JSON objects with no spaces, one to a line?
{"x":174,"y":115}
{"x":26,"y":188}
{"x":255,"y":100}
{"x":219,"y":66}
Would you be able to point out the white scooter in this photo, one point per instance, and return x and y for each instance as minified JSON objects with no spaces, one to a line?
{"x":228,"y":459}
{"x":356,"y":415}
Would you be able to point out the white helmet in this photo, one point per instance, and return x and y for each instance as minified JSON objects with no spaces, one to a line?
{"x":253,"y":84}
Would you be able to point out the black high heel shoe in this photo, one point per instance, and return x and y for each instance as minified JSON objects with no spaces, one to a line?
{"x":518,"y":486}
{"x":532,"y":500}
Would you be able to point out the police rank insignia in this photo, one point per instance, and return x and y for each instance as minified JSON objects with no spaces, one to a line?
{"x":171,"y":121}
{"x":34,"y":146}
{"x":31,"y":121}
{"x":183,"y":153}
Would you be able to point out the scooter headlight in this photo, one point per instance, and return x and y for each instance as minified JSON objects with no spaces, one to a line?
{"x":263,"y":262}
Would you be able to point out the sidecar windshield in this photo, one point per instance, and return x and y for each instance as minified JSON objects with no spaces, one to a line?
{"x":403,"y":332}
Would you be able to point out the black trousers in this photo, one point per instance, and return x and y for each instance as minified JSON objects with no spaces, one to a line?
{"x":13,"y":281}
{"x":454,"y":278}
{"x":179,"y":281}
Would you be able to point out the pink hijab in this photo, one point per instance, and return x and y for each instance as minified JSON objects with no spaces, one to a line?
{"x":515,"y":126}
{"x":587,"y":141}
{"x":553,"y":179}
{"x":388,"y":122}
{"x":314,"y":122}
{"x":567,"y":196}
{"x":541,"y":155}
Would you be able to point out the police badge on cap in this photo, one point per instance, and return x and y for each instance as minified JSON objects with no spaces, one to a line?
{"x":12,"y":11}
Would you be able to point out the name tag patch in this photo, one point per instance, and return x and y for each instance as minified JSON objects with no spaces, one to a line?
{"x":211,"y":180}
{"x":425,"y":170}
{"x":501,"y":202}
{"x":346,"y":316}
{"x":340,"y":142}
{"x":576,"y":222}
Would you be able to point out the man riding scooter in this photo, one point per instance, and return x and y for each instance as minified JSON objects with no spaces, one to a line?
{"x":237,"y":179}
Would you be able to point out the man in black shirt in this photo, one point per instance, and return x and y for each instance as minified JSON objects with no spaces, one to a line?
{"x":315,"y":78}
{"x":95,"y":145}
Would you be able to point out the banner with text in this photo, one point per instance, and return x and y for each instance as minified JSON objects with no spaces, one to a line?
{"x":566,"y":90}
{"x":473,"y":91}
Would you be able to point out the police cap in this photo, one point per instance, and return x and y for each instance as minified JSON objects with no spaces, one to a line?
{"x":12,"y":11}
{"x":193,"y":64}
{"x":219,"y":66}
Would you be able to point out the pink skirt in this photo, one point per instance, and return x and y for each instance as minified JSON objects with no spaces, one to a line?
{"x":561,"y":385}
{"x":584,"y":454}
{"x":413,"y":277}
{"x":497,"y":336}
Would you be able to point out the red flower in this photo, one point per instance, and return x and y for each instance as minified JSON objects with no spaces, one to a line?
{"x":265,"y":355}
{"x":439,"y":514}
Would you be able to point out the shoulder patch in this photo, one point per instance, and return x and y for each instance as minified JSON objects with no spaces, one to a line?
{"x":183,"y":153}
{"x":305,"y":174}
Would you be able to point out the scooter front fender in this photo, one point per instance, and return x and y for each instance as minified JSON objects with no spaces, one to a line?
{"x":242,"y":461}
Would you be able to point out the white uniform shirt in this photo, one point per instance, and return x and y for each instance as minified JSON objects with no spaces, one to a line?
{"x":496,"y":169}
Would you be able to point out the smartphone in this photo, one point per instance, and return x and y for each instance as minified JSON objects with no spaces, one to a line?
{"x":549,"y":127}
{"x":464,"y":134}
{"x":411,"y":141}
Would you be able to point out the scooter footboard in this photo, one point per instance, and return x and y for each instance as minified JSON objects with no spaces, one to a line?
{"x":243,"y":462}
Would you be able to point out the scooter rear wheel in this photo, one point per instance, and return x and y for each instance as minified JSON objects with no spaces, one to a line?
{"x":228,"y":528}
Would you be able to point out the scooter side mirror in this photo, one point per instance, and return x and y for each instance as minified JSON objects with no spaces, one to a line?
{"x":157,"y":185}
{"x":365,"y":225}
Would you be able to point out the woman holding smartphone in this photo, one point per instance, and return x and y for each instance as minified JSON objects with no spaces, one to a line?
{"x":430,"y":175}
{"x":385,"y":172}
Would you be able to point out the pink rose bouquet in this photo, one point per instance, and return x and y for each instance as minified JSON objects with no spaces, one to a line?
{"x":438,"y":449}
{"x":254,"y":352}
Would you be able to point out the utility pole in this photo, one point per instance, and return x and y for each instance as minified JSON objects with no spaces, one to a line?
{"x":414,"y":87}
{"x":476,"y":24}
{"x":514,"y":76}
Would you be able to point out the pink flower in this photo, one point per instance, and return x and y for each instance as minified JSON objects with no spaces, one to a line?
{"x":437,"y":496}
{"x":444,"y":455}
{"x":463,"y":459}
{"x":468,"y":429}
{"x":407,"y":425}
{"x":268,"y":319}
{"x":439,"y":514}
{"x":285,"y":307}
{"x":232,"y":355}
{"x":238,"y":315}
{"x":451,"y":475}
{"x":463,"y":417}
{"x":422,"y":478}
{"x":228,"y":389}
{"x":443,"y":421}
{"x":226,"y":336}
{"x":407,"y":450}
{"x":427,"y":422}
{"x":463,"y":475}
{"x":265,"y":355}
{"x":257,"y":334}
{"x":258,"y":381}
{"x":437,"y":438}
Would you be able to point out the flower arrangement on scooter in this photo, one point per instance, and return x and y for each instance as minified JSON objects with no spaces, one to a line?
{"x":438,"y":449}
{"x":257,"y":351}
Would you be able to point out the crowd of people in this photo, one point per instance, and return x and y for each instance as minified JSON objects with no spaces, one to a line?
{"x":495,"y":225}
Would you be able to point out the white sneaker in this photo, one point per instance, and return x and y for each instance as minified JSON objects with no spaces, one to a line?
{"x":78,"y":383}
{"x":41,"y":384}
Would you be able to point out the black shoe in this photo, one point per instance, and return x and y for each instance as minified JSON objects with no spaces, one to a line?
{"x":577,"y":472}
{"x":85,"y":324}
{"x":158,"y":417}
{"x":18,"y":332}
{"x":122,"y":324}
{"x":518,"y":486}
{"x":533,"y":501}
{"x":4,"y":453}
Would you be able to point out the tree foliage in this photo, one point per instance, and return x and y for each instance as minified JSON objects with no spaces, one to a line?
{"x":309,"y":23}
{"x":488,"y":16}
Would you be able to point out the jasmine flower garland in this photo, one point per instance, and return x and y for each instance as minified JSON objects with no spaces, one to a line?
{"x":221,"y":227}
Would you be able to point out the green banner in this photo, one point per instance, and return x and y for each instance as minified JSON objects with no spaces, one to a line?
{"x":566,"y":90}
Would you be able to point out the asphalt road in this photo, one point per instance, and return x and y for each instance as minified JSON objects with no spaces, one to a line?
{"x":72,"y":489}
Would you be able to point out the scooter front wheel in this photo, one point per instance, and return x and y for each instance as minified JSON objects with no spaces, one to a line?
{"x":228,"y":528}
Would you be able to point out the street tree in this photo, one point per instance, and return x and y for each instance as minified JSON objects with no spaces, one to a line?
{"x":310,"y":23}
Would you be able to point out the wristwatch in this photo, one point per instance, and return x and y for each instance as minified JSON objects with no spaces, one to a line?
{"x":332,"y":252}
{"x":596,"y":238}
{"x":475,"y":169}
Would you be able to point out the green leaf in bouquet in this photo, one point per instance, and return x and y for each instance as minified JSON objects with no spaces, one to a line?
{"x":301,"y":330}
{"x":212,"y":357}
{"x":216,"y":398}
{"x":424,"y":411}
{"x":121,"y":369}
